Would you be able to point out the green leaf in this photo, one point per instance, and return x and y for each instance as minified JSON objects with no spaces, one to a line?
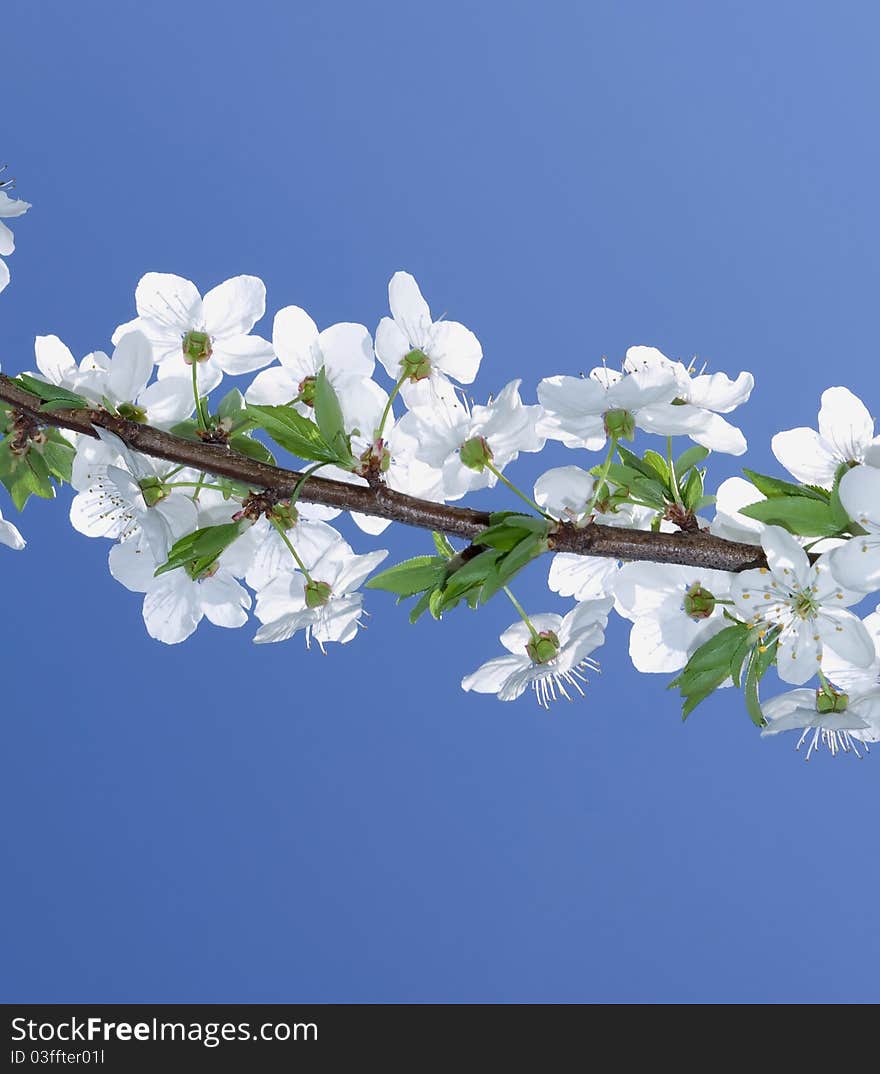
{"x":660,"y":467}
{"x":692,"y":457}
{"x":772,"y":487}
{"x":762,"y":657}
{"x":692,"y":490}
{"x":53,"y":397}
{"x":200,"y":548}
{"x":472,"y":573}
{"x":25,"y":475}
{"x":630,"y":459}
{"x":328,"y":414}
{"x":421,"y":606}
{"x":186,"y":429}
{"x":441,"y":543}
{"x":411,"y":576}
{"x":801,"y":515}
{"x":709,"y":666}
{"x":511,"y":564}
{"x":231,"y":405}
{"x":246,"y":445}
{"x":508,"y":532}
{"x":59,"y":455}
{"x":293,"y":432}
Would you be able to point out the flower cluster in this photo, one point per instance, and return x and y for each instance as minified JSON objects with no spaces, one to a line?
{"x":391,"y":415}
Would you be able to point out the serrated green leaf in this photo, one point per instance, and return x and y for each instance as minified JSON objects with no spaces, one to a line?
{"x":293,"y":432}
{"x":660,"y":467}
{"x":54,"y":398}
{"x":801,"y":515}
{"x":59,"y":455}
{"x":201,"y":547}
{"x":246,"y":445}
{"x":762,"y":657}
{"x":420,"y":607}
{"x":630,"y":459}
{"x":692,"y":490}
{"x":231,"y":405}
{"x":692,"y":457}
{"x":772,"y":487}
{"x":442,"y":544}
{"x":411,"y":576}
{"x":328,"y":414}
{"x":508,"y":566}
{"x":25,"y":475}
{"x":709,"y":666}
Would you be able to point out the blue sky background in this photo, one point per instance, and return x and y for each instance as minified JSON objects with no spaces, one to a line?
{"x":218,"y":821}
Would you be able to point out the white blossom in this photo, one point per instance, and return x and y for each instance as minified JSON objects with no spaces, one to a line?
{"x":846,"y":435}
{"x":856,"y":563}
{"x":123,"y":379}
{"x":433,"y":352}
{"x":9,"y":209}
{"x":325,"y":605}
{"x":170,"y":308}
{"x":581,"y":411}
{"x":805,"y":603}
{"x":552,"y":656}
{"x":10,"y":536}
{"x":443,"y":433}
{"x":700,"y":401}
{"x":674,"y":610}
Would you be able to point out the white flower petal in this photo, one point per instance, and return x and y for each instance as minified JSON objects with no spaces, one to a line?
{"x":170,"y":303}
{"x":806,"y":456}
{"x":241,"y":354}
{"x":234,"y":307}
{"x":845,"y":424}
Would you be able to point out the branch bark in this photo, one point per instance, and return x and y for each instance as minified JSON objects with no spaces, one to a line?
{"x":699,"y":549}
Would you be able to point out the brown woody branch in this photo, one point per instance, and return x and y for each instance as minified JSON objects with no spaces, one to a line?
{"x":698,"y":549}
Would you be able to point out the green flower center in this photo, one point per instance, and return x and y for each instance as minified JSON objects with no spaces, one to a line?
{"x":317,"y":594}
{"x":543,"y":648}
{"x":829,"y":701}
{"x":475,"y":453}
{"x":416,"y":365}
{"x":307,"y":391}
{"x":196,"y":347}
{"x":153,"y":491}
{"x":619,"y":424}
{"x":699,"y":603}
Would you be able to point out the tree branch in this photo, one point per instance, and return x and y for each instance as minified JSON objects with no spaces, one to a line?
{"x":698,"y":549}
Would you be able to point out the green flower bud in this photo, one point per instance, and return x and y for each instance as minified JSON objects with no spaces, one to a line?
{"x":132,"y":413}
{"x":699,"y":603}
{"x":619,"y":424}
{"x":196,"y":347}
{"x":828,"y":701}
{"x":543,"y":648}
{"x":475,"y":453}
{"x":317,"y":594}
{"x":307,"y":391}
{"x":153,"y":491}
{"x":416,"y":364}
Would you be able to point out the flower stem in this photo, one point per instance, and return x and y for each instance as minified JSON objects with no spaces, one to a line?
{"x":294,"y":496}
{"x":673,"y":477}
{"x":290,"y":547}
{"x":494,"y":469}
{"x":200,"y":415}
{"x":603,"y":474}
{"x":522,"y":612}
{"x":394,"y":392}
